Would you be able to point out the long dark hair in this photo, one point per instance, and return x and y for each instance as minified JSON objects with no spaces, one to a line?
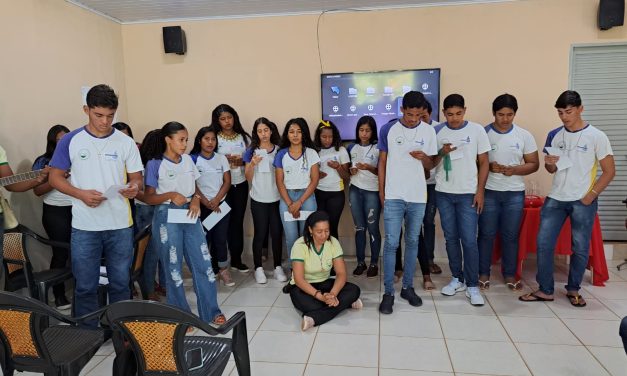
{"x":237,"y":124}
{"x":156,"y":149}
{"x":275,"y":137}
{"x":304,"y":130}
{"x":51,"y":139}
{"x":310,"y":222}
{"x":120,"y":126}
{"x":149,"y":145}
{"x":370,"y":122}
{"x":327,"y":124}
{"x":196,"y":149}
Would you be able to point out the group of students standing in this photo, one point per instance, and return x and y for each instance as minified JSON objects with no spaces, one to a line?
{"x":473,"y":175}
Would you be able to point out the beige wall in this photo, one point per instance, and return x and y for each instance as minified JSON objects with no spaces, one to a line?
{"x":49,"y":50}
{"x":269,"y":66}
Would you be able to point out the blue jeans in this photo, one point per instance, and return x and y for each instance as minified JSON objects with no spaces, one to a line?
{"x":394,"y":211}
{"x":459,"y":222}
{"x":427,"y":235}
{"x":552,"y":217}
{"x":502,"y":213}
{"x":294,"y":229}
{"x":143,"y":217}
{"x":186,"y":240}
{"x":88,"y":248}
{"x":366,"y":208}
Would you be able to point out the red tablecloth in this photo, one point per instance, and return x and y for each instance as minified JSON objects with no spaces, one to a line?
{"x":527,"y":243}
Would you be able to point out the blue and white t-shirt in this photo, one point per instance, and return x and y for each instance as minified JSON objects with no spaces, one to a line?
{"x":54,"y":197}
{"x":404,"y":174}
{"x":470,"y":140}
{"x":165,"y":175}
{"x":333,"y":182}
{"x":508,"y":149}
{"x":98,"y":163}
{"x":369,"y":154}
{"x":263,"y":187}
{"x":584,"y":148}
{"x":296,"y":172}
{"x":211,"y":173}
{"x":234,"y":146}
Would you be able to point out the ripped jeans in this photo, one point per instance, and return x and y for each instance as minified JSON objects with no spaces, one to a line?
{"x":366,"y":208}
{"x":178,"y":240}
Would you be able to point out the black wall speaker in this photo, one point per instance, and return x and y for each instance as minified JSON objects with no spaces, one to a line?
{"x":611,"y":13}
{"x":174,"y":40}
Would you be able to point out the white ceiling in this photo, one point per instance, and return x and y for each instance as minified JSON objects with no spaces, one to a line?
{"x":142,"y":11}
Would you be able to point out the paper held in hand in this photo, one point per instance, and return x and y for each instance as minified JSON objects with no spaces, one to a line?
{"x":215,"y":217}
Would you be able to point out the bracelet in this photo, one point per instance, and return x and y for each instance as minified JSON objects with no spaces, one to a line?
{"x":316,"y":293}
{"x":595,"y":192}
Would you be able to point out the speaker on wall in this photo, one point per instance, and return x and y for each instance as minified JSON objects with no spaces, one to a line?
{"x":611,"y":13}
{"x":174,"y":40}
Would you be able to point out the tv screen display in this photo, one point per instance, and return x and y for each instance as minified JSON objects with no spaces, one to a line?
{"x":348,"y":96}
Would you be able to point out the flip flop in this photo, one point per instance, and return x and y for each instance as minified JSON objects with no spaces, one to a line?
{"x":532,"y":297}
{"x":576,"y":300}
{"x":435,"y":269}
{"x":484,"y":285}
{"x":514,"y":286}
{"x":428,"y":285}
{"x":219,"y":320}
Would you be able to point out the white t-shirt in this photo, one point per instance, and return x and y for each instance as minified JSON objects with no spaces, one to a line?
{"x":584,"y":148}
{"x":53,"y":197}
{"x":431,"y":179}
{"x":508,"y":149}
{"x":369,"y":154}
{"x":333,"y":182}
{"x":296,"y":172}
{"x":98,"y":163}
{"x":235,"y":146}
{"x":211,"y":173}
{"x":263,"y":187}
{"x":404,"y":174}
{"x":470,"y":140}
{"x":165,"y":176}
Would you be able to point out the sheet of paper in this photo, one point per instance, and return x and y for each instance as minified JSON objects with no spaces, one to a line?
{"x":553,"y":151}
{"x":213,"y":218}
{"x":179,"y":216}
{"x":303,"y":215}
{"x":563,"y":163}
{"x":456,"y":154}
{"x":114,"y":191}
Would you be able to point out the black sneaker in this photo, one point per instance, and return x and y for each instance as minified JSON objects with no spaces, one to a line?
{"x":386,"y":304}
{"x":287,"y":288}
{"x":62,"y":303}
{"x":410,"y":295}
{"x":360,"y":269}
{"x":242,"y":268}
{"x":373,"y":271}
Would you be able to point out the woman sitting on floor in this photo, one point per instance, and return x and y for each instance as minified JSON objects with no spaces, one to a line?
{"x":318,"y":296}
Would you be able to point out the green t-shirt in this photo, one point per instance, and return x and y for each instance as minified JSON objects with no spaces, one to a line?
{"x":317,"y":265}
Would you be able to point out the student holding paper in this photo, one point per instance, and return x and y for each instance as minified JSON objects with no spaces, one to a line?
{"x":264,"y":195}
{"x":514,"y":154}
{"x":461,"y":173}
{"x":99,"y":157}
{"x":214,"y":183}
{"x":297,"y":174}
{"x":171,"y":185}
{"x":573,"y":195}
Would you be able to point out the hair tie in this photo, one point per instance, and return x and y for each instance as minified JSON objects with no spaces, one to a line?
{"x":325,"y":123}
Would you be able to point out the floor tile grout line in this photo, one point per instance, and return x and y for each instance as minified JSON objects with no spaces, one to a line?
{"x":448,"y":352}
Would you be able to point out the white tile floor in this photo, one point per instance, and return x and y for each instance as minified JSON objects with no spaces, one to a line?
{"x":446,"y":336}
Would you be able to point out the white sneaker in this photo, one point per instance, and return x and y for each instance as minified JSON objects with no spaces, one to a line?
{"x":474,"y":293}
{"x":260,"y":276}
{"x":279,"y":275}
{"x":453,"y":287}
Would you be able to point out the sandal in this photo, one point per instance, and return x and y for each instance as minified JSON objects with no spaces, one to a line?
{"x":428,"y":285}
{"x":219,"y":320}
{"x":532,"y":297}
{"x":435,"y":269}
{"x":576,"y":300}
{"x":484,"y":285}
{"x":514,"y":286}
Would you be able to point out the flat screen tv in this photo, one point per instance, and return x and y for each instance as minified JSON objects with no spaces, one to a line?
{"x":348,"y":96}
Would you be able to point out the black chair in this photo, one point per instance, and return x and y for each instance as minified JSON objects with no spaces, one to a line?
{"x":140,"y":243}
{"x":29,"y":343}
{"x":150,"y":339}
{"x":19,"y":270}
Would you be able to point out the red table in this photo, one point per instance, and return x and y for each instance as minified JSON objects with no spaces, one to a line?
{"x":527,"y":243}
